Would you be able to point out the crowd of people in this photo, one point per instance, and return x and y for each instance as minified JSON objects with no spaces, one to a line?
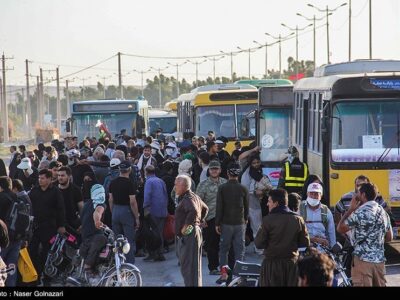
{"x":221,"y":202}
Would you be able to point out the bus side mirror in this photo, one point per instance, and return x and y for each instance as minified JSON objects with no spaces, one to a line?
{"x":68,"y":126}
{"x":245,"y":127}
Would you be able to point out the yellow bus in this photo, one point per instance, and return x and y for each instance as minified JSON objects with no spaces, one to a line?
{"x":171,"y":105}
{"x":220,"y":108}
{"x":347,"y":123}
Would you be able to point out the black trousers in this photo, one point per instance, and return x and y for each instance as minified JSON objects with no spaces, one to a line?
{"x":91,"y":247}
{"x":39,"y":248}
{"x":211,"y":245}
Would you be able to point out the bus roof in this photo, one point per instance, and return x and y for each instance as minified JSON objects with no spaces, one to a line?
{"x":223,"y":87}
{"x":159,"y":113}
{"x":325,"y":77}
{"x":358,"y":66}
{"x":266,"y":82}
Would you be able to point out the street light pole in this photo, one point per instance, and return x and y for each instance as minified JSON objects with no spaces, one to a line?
{"x":266,"y":56}
{"x":297,"y":29}
{"x":314,"y":19}
{"x":159,"y":82}
{"x":279,"y":38}
{"x":349,"y":30}
{"x":328,"y":13}
{"x":197,"y":63}
{"x":177,"y":75}
{"x":141,"y":74}
{"x":231,"y":54}
{"x":370,"y":29}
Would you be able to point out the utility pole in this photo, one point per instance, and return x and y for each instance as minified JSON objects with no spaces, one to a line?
{"x":370,"y":29}
{"x":58,"y":102}
{"x":41,"y":104}
{"x":38,"y":119}
{"x":4,"y":102}
{"x":121,"y":90}
{"x":67,"y":99}
{"x":28,"y":101}
{"x":349,"y":30}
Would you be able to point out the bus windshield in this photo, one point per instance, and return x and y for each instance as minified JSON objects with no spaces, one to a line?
{"x":274,"y":133}
{"x":168,"y":124}
{"x":220,"y":119}
{"x":366,"y":131}
{"x":85,"y":125}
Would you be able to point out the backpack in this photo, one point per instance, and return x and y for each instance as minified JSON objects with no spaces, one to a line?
{"x":19,"y":220}
{"x":324,"y":214}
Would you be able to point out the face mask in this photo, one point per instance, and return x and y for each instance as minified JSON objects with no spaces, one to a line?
{"x":312,"y":202}
{"x":153,"y":151}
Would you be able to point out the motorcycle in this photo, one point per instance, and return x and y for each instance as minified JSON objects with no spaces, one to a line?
{"x":243,"y":275}
{"x":112,"y":269}
{"x":337,"y":254}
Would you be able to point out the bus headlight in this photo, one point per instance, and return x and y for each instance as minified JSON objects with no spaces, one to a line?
{"x":126,"y":247}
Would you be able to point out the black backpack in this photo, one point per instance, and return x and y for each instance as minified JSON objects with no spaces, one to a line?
{"x":19,"y":220}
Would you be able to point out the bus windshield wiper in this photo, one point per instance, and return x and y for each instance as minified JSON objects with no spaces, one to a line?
{"x":387,"y":150}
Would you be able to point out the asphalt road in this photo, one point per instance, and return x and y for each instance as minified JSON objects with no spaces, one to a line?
{"x":167,"y":273}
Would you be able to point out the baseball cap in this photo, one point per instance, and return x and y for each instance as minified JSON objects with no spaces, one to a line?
{"x":292,"y":150}
{"x":214,"y":164}
{"x":219,"y":142}
{"x":315,"y":187}
{"x":125,"y":165}
{"x":234,"y":170}
{"x":114,"y":162}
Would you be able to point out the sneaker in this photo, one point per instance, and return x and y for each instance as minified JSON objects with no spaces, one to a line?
{"x":221,"y":280}
{"x":215,"y":272}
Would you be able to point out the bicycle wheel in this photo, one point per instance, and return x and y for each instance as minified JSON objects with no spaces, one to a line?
{"x":130,"y":276}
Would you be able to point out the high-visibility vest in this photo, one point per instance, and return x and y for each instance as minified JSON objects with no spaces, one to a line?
{"x":291,"y":181}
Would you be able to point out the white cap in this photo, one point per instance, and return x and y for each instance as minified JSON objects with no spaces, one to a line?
{"x":171,"y":145}
{"x":114,"y":162}
{"x":219,"y":142}
{"x":73,"y":153}
{"x":155,"y":145}
{"x":315,"y":187}
{"x":25,"y":164}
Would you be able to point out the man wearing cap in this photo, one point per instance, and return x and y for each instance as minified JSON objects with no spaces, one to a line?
{"x":207,"y":191}
{"x":27,"y":173}
{"x":318,"y":217}
{"x":77,"y":169}
{"x":124,"y":208}
{"x":232,"y":213}
{"x":294,"y":173}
